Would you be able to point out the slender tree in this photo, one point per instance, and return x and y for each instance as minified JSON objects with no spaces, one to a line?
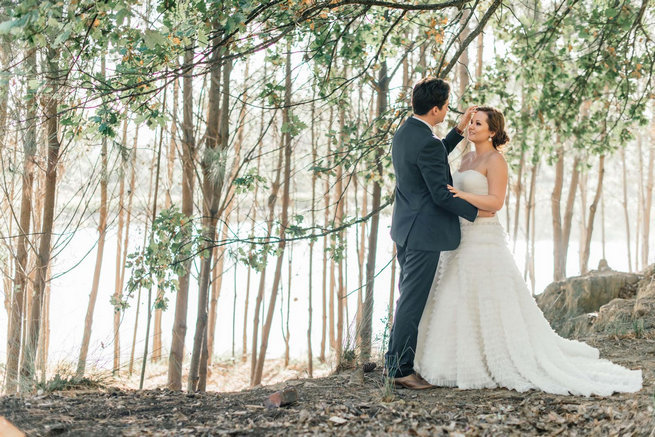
{"x":176,"y":356}
{"x":555,"y":200}
{"x":284,"y":219}
{"x":584,"y":268}
{"x":21,"y":277}
{"x":102,"y":232}
{"x":118,"y":286}
{"x":626,"y":214}
{"x":43,"y":259}
{"x":648,"y":196}
{"x":382,"y":88}
{"x":213,"y":170}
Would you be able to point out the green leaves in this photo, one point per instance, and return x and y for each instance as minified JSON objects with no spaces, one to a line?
{"x":153,"y":39}
{"x":247,"y":182}
{"x":106,"y":119}
{"x":174,"y":240}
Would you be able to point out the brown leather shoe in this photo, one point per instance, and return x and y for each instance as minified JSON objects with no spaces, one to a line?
{"x":419,"y":376}
{"x":412,"y":382}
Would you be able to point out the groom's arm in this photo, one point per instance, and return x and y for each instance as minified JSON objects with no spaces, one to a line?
{"x":452,"y":140}
{"x":433,"y":165}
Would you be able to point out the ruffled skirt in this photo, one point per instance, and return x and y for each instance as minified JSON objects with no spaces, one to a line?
{"x":481,"y":328}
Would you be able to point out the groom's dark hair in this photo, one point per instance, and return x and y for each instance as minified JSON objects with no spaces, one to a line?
{"x":428,"y":93}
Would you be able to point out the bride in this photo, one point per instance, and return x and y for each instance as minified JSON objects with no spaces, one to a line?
{"x":481,"y":328}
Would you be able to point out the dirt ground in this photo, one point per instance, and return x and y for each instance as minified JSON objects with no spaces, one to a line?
{"x":349,"y":403}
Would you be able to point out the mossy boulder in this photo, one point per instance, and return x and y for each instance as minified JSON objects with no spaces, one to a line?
{"x":563,"y":302}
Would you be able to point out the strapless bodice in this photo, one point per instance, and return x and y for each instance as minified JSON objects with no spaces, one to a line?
{"x":471,"y":181}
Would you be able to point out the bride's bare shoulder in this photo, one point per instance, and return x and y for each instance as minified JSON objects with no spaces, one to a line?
{"x":496,"y":163}
{"x":497,"y":158}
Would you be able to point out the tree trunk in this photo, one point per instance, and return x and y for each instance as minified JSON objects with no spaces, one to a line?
{"x":134,"y":331}
{"x":252,"y":232}
{"x":157,"y":334}
{"x":533,"y":233}
{"x":217,"y":140}
{"x":626,"y":215}
{"x":582,"y":182}
{"x":648,"y":198}
{"x":463,"y":72}
{"x":102,"y":231}
{"x":602,"y":223}
{"x":592,"y":215}
{"x":227,"y":211}
{"x":286,"y":118}
{"x":360,"y":263}
{"x":152,"y":232}
{"x":287,"y":332}
{"x":640,"y":199}
{"x":45,"y":330}
{"x":118,"y":286}
{"x":272,"y":200}
{"x":518,"y":191}
{"x":176,"y":356}
{"x":325,"y":332}
{"x":43,"y":259}
{"x":568,"y":215}
{"x":172,"y":145}
{"x":20,"y":280}
{"x":555,"y":200}
{"x":392,"y":289}
{"x":529,"y":222}
{"x":310,"y":358}
{"x":480,"y":53}
{"x":145,"y":240}
{"x":367,"y":320}
{"x":338,"y":219}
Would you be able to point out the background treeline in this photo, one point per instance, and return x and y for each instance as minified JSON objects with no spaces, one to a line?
{"x":232,"y":131}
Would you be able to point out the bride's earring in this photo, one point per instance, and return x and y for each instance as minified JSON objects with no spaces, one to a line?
{"x":491,"y":139}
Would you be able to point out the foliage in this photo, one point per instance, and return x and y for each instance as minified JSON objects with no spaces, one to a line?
{"x":68,"y":382}
{"x":174,"y":239}
{"x":580,"y":91}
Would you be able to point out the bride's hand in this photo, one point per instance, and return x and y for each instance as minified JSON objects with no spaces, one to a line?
{"x":455,"y":191}
{"x":466,"y":118}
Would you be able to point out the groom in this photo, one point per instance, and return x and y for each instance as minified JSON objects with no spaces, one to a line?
{"x":425,"y":217}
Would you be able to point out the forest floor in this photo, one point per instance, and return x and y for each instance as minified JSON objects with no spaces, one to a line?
{"x":347,"y":403}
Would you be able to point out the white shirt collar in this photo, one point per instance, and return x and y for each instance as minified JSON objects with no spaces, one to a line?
{"x":422,"y":121}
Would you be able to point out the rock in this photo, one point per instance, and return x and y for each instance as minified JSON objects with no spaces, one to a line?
{"x":281,"y":398}
{"x":580,"y":325}
{"x":615,"y":317}
{"x":338,"y":420}
{"x":566,"y":300}
{"x":369,"y":367}
{"x":645,"y":302}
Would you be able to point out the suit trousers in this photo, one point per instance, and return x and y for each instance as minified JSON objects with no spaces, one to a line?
{"x":417,"y":270}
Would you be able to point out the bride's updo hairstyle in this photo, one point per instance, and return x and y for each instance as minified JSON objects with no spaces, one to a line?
{"x":496,"y":122}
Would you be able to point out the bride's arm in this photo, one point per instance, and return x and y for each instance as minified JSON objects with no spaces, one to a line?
{"x":497,"y":179}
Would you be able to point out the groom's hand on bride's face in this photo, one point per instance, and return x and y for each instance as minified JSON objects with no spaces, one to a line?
{"x":483,"y":213}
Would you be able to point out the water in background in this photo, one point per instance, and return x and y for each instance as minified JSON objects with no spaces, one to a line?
{"x":70,"y":291}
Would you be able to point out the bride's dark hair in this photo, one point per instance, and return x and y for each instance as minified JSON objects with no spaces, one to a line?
{"x":496,"y":122}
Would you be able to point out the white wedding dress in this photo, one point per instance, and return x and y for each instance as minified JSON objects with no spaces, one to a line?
{"x":481,"y":328}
